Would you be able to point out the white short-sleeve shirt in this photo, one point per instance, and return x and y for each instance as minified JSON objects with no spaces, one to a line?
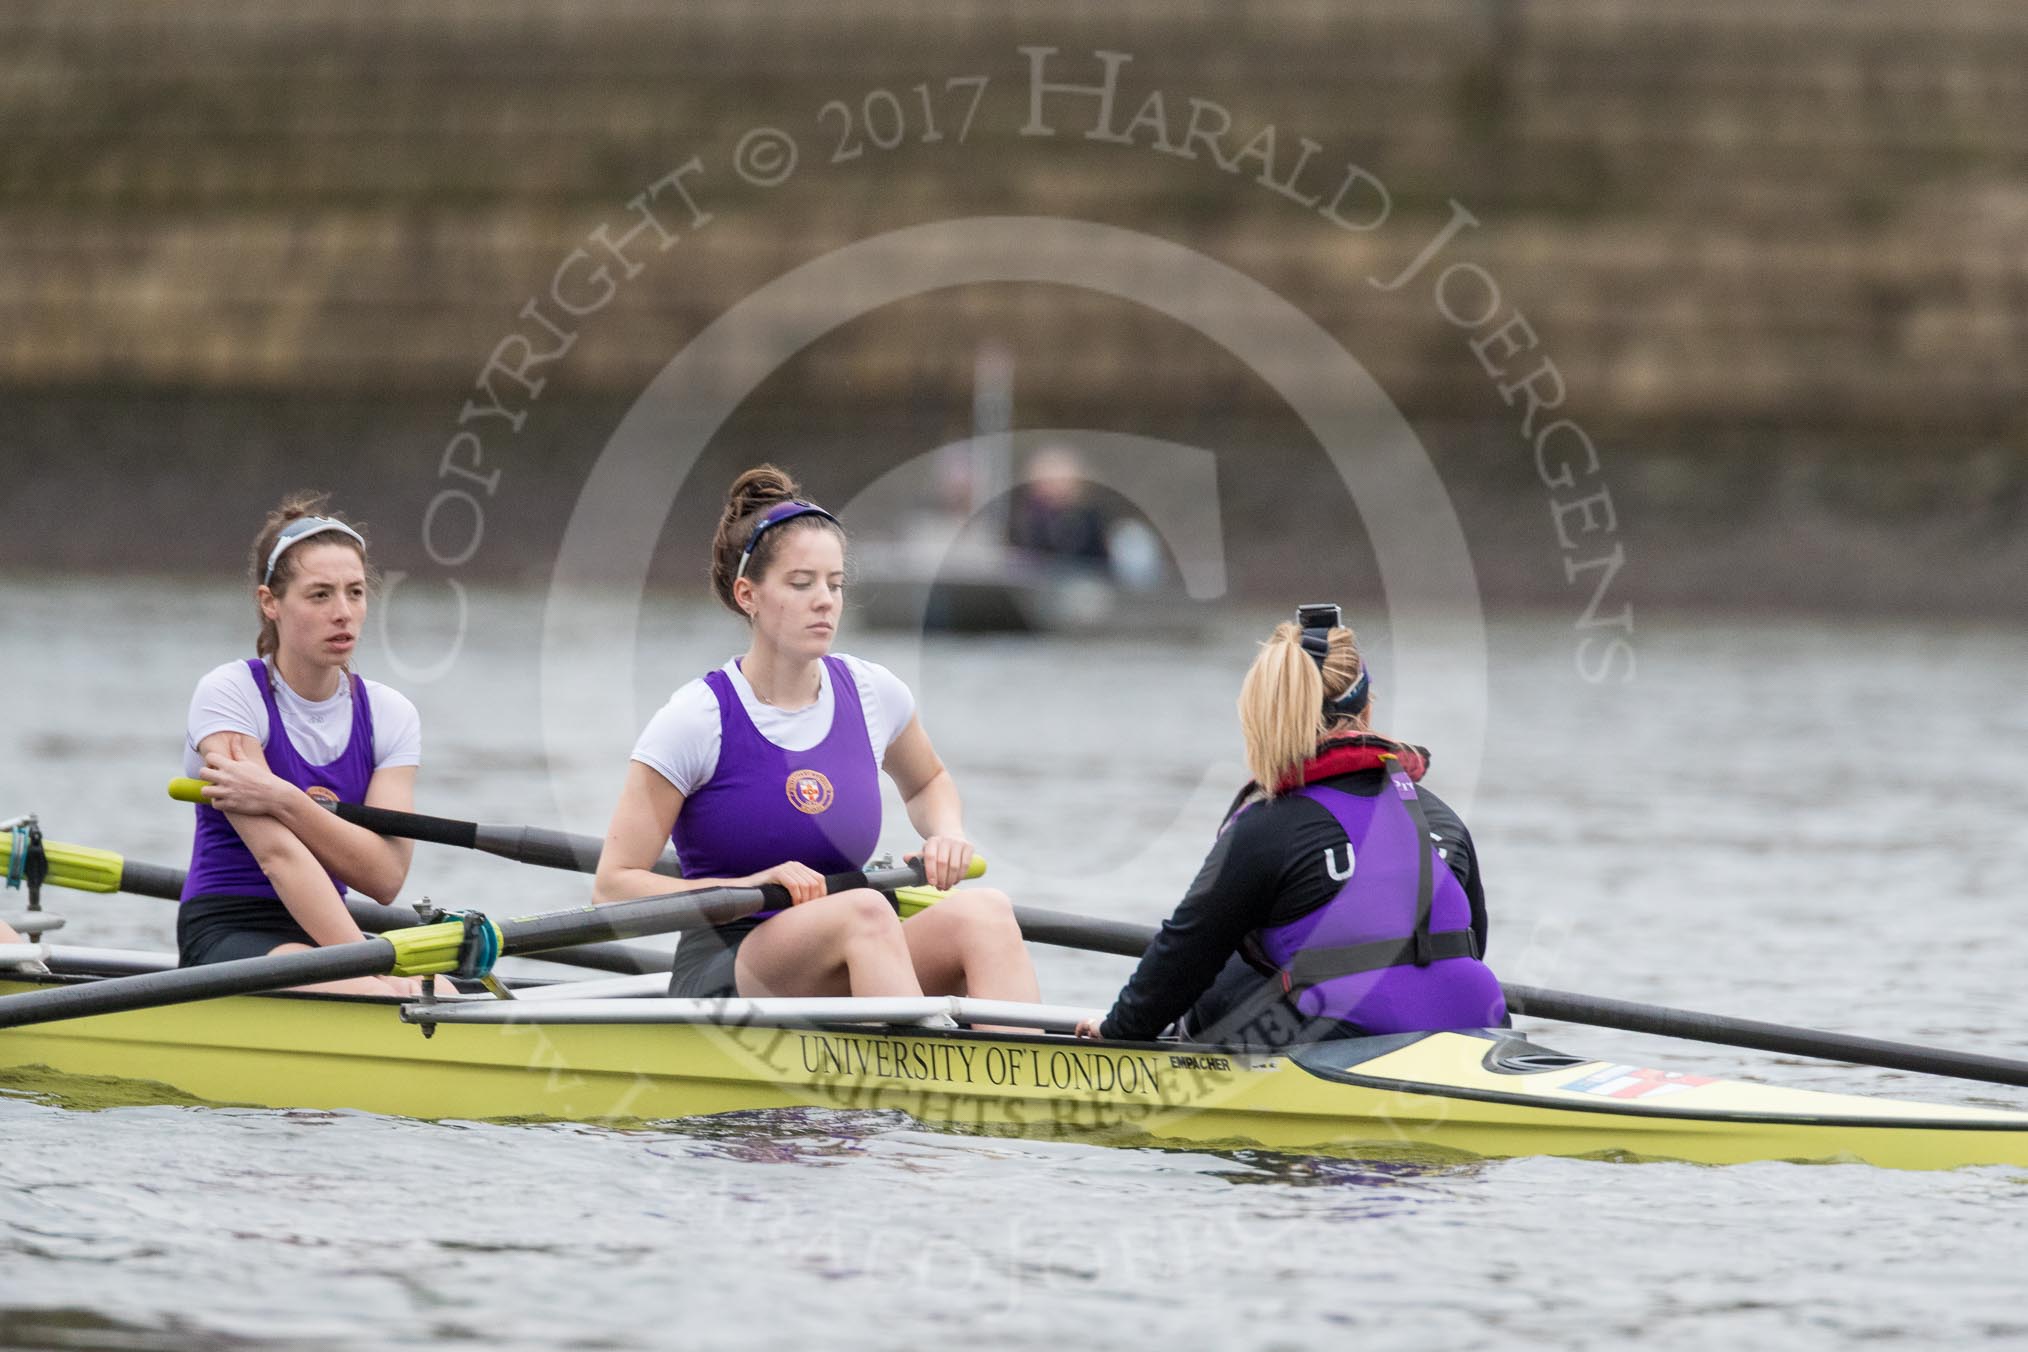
{"x":227,"y":700}
{"x":681,"y":741}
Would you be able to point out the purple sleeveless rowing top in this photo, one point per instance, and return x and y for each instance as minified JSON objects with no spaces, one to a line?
{"x":764,"y":806}
{"x":220,"y":863}
{"x":1377,"y":903}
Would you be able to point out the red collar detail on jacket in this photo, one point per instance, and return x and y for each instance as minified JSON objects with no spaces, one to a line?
{"x":1344,"y":755}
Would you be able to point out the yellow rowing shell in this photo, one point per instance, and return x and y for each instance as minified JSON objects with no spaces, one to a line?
{"x":1435,"y":1095}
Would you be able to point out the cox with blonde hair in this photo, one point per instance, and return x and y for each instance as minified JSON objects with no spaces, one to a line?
{"x":1342,"y":898}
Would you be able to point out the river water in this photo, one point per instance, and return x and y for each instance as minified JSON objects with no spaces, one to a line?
{"x":1788,"y":819}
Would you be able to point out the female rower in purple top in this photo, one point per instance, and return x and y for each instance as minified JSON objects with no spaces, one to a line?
{"x":273,"y":735}
{"x":767,"y":770}
{"x":1342,"y":898}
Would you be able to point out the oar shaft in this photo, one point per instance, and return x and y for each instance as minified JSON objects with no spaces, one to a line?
{"x":672,"y":911}
{"x":524,"y":844}
{"x":547,"y":848}
{"x":1066,"y":930}
{"x":536,"y":845}
{"x":155,"y":880}
{"x":1131,"y":940}
{"x":151,"y":880}
{"x":429,"y":948}
{"x":369,"y":957}
{"x":110,"y":872}
{"x":1767,"y":1037}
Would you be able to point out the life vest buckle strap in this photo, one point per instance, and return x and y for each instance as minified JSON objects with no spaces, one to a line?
{"x":1314,"y":966}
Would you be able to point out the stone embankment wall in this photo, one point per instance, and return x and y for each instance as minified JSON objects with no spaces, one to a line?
{"x":1777,"y":253}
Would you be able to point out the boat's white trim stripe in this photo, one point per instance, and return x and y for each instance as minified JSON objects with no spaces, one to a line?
{"x":557,"y":1008}
{"x":602,"y":988}
{"x":12,"y":955}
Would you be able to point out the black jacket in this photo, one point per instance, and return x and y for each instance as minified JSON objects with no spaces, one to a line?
{"x":1267,"y":869}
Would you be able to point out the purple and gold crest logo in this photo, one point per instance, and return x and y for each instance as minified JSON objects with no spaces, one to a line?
{"x":809,"y":791}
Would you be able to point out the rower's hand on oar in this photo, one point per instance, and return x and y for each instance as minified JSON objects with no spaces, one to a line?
{"x":244,"y":786}
{"x":803,"y":882}
{"x":945,"y":860}
{"x":1089,"y":1028}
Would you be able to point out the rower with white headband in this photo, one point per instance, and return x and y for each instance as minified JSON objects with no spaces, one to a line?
{"x":768,"y":770}
{"x":279,"y":733}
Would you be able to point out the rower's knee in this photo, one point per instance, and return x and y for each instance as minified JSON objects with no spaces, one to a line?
{"x":866,"y":915}
{"x":989,"y":913}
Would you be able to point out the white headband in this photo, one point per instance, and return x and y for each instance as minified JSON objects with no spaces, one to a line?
{"x":302,"y":528}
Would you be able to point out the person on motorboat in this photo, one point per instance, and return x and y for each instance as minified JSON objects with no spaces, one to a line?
{"x":766,"y":770}
{"x":1341,"y":899}
{"x":277,"y":735}
{"x":1052,"y":512}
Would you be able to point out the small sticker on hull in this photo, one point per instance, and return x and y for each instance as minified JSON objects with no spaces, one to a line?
{"x":1634,"y":1082}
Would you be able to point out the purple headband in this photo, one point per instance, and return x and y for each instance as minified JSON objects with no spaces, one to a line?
{"x":775,"y":516}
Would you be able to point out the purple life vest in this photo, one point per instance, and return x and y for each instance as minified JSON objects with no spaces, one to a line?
{"x":220,"y":863}
{"x":764,"y":805}
{"x":1392,"y":951}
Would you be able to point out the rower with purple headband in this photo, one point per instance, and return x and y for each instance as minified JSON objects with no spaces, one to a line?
{"x":275,"y":735}
{"x":768,"y":770}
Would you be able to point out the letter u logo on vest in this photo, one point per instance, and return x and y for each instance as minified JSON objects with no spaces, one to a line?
{"x":1331,"y":865}
{"x":809,"y":791}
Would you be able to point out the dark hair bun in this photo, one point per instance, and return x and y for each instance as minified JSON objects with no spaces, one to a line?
{"x":757,"y":490}
{"x":752,"y":495}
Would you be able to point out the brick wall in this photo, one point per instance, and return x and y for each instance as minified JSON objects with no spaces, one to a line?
{"x":1808,"y":215}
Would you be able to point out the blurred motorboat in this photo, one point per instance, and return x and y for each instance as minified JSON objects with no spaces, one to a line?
{"x":1097,"y":532}
{"x":934,"y":584}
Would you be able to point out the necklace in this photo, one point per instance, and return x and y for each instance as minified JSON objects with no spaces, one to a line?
{"x":815,"y":694}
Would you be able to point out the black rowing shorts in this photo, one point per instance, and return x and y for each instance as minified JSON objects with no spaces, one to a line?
{"x":221,"y":929}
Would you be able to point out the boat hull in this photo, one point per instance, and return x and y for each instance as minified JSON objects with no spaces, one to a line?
{"x":1425,"y":1096}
